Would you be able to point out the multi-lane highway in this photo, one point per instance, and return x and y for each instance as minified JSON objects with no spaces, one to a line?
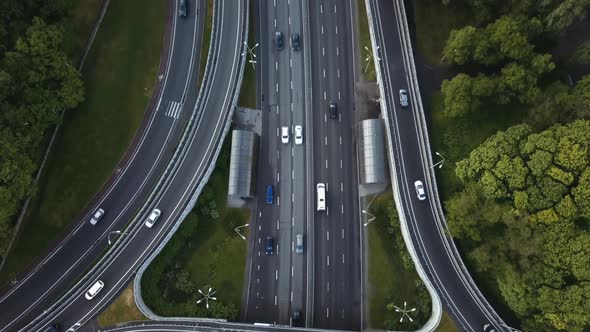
{"x":174,"y":100}
{"x":337,"y":269}
{"x":409,"y":140}
{"x":278,"y":283}
{"x":276,"y":291}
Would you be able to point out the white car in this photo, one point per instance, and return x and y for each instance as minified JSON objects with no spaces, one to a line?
{"x":94,"y":289}
{"x":420,"y":191}
{"x":285,"y":135}
{"x":151,"y":220}
{"x":96,"y":216}
{"x":298,"y":135}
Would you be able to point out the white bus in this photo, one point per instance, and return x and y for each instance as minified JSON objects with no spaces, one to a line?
{"x":321,"y":189}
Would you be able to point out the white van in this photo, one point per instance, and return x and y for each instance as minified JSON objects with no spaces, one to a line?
{"x":321,"y":189}
{"x":95,"y":289}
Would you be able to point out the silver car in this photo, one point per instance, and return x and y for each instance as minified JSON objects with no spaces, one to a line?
{"x":96,"y":216}
{"x":403,"y":97}
{"x":299,"y":244}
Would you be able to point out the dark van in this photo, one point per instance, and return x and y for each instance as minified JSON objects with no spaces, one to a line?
{"x":269,"y":245}
{"x":269,"y":194}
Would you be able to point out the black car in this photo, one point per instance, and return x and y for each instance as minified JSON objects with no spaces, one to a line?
{"x":295,"y":41}
{"x":278,"y":40}
{"x":333,"y":110}
{"x":182,"y":8}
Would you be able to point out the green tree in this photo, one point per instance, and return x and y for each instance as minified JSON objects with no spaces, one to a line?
{"x":565,"y":14}
{"x":582,"y":54}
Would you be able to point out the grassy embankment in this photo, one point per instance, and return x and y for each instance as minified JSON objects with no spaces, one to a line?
{"x":123,"y":309}
{"x":205,"y":251}
{"x":119,"y":75}
{"x":364,"y":40}
{"x":389,"y":280}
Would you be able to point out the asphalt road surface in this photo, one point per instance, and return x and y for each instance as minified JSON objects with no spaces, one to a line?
{"x":186,"y":173}
{"x":469,"y":309}
{"x":33,"y":292}
{"x":337,"y":268}
{"x":276,"y":282}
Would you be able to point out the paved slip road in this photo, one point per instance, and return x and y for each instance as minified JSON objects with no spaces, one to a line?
{"x":33,"y":292}
{"x":186,"y":172}
{"x":337,"y":268}
{"x":460,"y":299}
{"x":276,"y":282}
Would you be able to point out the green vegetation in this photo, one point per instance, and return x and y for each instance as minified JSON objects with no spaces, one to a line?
{"x":434,"y":22}
{"x":37,"y":82}
{"x":82,"y":18}
{"x":364,"y":40}
{"x":204,"y":252}
{"x":248,"y":89}
{"x":120,"y":73}
{"x":206,"y":39}
{"x":392,"y":278}
{"x":447,"y":324}
{"x":517,"y":199}
{"x":122,"y":310}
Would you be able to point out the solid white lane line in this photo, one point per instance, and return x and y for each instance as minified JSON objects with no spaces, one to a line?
{"x":321,"y":9}
{"x":292,"y":174}
{"x":324,"y":72}
{"x":291,"y":296}
{"x":336,"y":29}
{"x":291,"y":63}
{"x":275,"y":300}
{"x":339,"y":97}
{"x":324,"y":95}
{"x":278,"y":200}
{"x":275,"y":22}
{"x":277,"y":87}
{"x":342,"y":208}
{"x":325,"y":118}
{"x":292,"y":221}
{"x":338,"y":70}
{"x":337,"y":51}
{"x":291,"y":270}
{"x":292,"y":197}
{"x":334,"y":9}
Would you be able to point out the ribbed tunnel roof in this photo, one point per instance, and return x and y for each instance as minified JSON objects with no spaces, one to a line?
{"x":242,"y":161}
{"x":371,"y":151}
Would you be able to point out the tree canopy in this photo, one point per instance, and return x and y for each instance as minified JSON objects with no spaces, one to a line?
{"x":37,"y":83}
{"x":525,"y":210}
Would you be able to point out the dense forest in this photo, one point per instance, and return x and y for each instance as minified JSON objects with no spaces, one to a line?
{"x":37,"y":83}
{"x":523,"y":214}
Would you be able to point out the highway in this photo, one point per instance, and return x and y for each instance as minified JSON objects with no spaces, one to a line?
{"x":276,"y":282}
{"x":337,"y":268}
{"x":427,"y":230}
{"x":174,"y":97}
{"x":184,"y":176}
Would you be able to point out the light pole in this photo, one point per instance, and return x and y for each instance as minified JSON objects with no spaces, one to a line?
{"x":405,"y":312}
{"x":114,"y":232}
{"x":250,"y":52}
{"x":440,"y":163}
{"x":207,"y":296}
{"x":237,"y":230}
{"x":371,"y":218}
{"x":369,"y":57}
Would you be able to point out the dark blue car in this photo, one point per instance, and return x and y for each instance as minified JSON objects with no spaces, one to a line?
{"x":269,"y":245}
{"x":269,"y":194}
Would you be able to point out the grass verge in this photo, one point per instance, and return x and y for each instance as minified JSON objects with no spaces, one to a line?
{"x":82,"y":19}
{"x":119,"y":77}
{"x":364,"y":40}
{"x":204,"y":252}
{"x":434,"y":22}
{"x":206,"y":39}
{"x":248,"y":89}
{"x":392,"y":279}
{"x":447,"y":324}
{"x":122,"y":310}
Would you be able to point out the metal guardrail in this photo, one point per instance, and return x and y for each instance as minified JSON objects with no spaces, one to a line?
{"x":191,"y":203}
{"x":436,"y":313}
{"x":424,"y":144}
